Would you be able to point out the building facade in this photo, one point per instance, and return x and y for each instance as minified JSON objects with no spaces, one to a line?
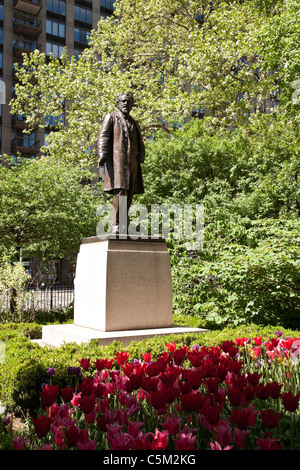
{"x":46,"y":25}
{"x":49,"y":26}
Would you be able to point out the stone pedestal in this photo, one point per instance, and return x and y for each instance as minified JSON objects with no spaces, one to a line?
{"x":123,"y":292}
{"x":123,"y":284}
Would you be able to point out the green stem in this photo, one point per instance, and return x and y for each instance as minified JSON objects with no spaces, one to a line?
{"x":291,"y":431}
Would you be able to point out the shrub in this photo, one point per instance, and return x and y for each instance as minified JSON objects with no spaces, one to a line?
{"x":256,"y":280}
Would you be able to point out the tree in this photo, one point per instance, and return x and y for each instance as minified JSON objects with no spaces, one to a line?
{"x":249,"y":173}
{"x":279,"y":39}
{"x":179,"y":57}
{"x":45,"y":210}
{"x":13,"y":280}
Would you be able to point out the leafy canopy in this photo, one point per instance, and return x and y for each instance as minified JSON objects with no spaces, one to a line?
{"x":177,"y":56}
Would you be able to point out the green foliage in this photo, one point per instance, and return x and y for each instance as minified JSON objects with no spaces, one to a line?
{"x":246,"y":179}
{"x":280,"y":50}
{"x":62,"y":315}
{"x":6,"y":436}
{"x":45,"y":210}
{"x":13,"y":280}
{"x":177,"y":62}
{"x":250,"y":171}
{"x":241,"y":283}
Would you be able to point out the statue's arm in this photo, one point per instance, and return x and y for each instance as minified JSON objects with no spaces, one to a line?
{"x":105,"y":138}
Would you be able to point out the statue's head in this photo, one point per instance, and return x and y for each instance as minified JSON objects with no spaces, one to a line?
{"x":125,"y":102}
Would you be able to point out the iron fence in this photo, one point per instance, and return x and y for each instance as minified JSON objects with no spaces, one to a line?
{"x":37,"y":298}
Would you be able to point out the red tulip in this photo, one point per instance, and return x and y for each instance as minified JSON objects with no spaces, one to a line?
{"x":268,"y":444}
{"x":269,"y":418}
{"x":160,"y":440}
{"x":211,"y":413}
{"x":100,"y":364}
{"x":87,"y":386}
{"x":171,"y":347}
{"x":257,"y":340}
{"x":146,"y":357}
{"x":239,"y":418}
{"x":49,"y":394}
{"x":253,"y":378}
{"x":186,"y":441}
{"x":72,"y":434}
{"x":290,"y":402}
{"x":87,"y":404}
{"x":85,"y":363}
{"x":122,"y":357}
{"x":262,"y":392}
{"x":179,"y":354}
{"x":229,"y":347}
{"x":274,"y":389}
{"x":192,"y":401}
{"x":236,"y":396}
{"x":241,"y":341}
{"x":67,"y":394}
{"x":42,"y":425}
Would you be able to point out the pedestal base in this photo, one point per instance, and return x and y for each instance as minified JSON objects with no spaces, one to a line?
{"x":57,"y":335}
{"x":123,"y":292}
{"x":123,"y":284}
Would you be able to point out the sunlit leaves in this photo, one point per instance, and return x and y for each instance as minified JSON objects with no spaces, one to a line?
{"x":177,"y":57}
{"x":45,"y":209}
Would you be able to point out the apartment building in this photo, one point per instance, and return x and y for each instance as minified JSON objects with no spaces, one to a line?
{"x":47,"y":25}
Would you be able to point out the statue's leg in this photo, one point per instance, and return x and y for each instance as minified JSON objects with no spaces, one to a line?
{"x":116,"y":209}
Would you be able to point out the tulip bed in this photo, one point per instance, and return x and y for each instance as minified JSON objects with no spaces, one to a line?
{"x":242,"y":394}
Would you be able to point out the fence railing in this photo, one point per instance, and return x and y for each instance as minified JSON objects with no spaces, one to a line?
{"x":52,"y":298}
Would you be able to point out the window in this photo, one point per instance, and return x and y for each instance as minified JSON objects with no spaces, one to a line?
{"x":2,"y":94}
{"x":1,"y":35}
{"x":55,"y":49}
{"x":57,"y":6}
{"x":81,"y":35}
{"x":1,"y":12}
{"x":55,"y":28}
{"x":77,"y":53}
{"x":26,"y":140}
{"x":107,"y":4}
{"x":83,"y":14}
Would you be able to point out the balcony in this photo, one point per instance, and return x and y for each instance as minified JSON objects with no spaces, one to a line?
{"x":18,"y":121}
{"x":27,"y":26}
{"x":29,"y":6}
{"x":23,"y":46}
{"x":25,"y":145}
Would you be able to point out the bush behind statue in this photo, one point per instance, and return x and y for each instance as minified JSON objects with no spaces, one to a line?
{"x":240,"y":283}
{"x":246,"y":180}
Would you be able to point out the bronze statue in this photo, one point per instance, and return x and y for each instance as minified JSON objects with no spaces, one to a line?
{"x":121,"y":149}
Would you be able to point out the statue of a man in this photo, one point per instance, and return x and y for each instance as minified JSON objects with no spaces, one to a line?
{"x":121,"y":149}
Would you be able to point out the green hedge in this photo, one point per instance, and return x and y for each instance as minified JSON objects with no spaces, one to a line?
{"x":26,"y":362}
